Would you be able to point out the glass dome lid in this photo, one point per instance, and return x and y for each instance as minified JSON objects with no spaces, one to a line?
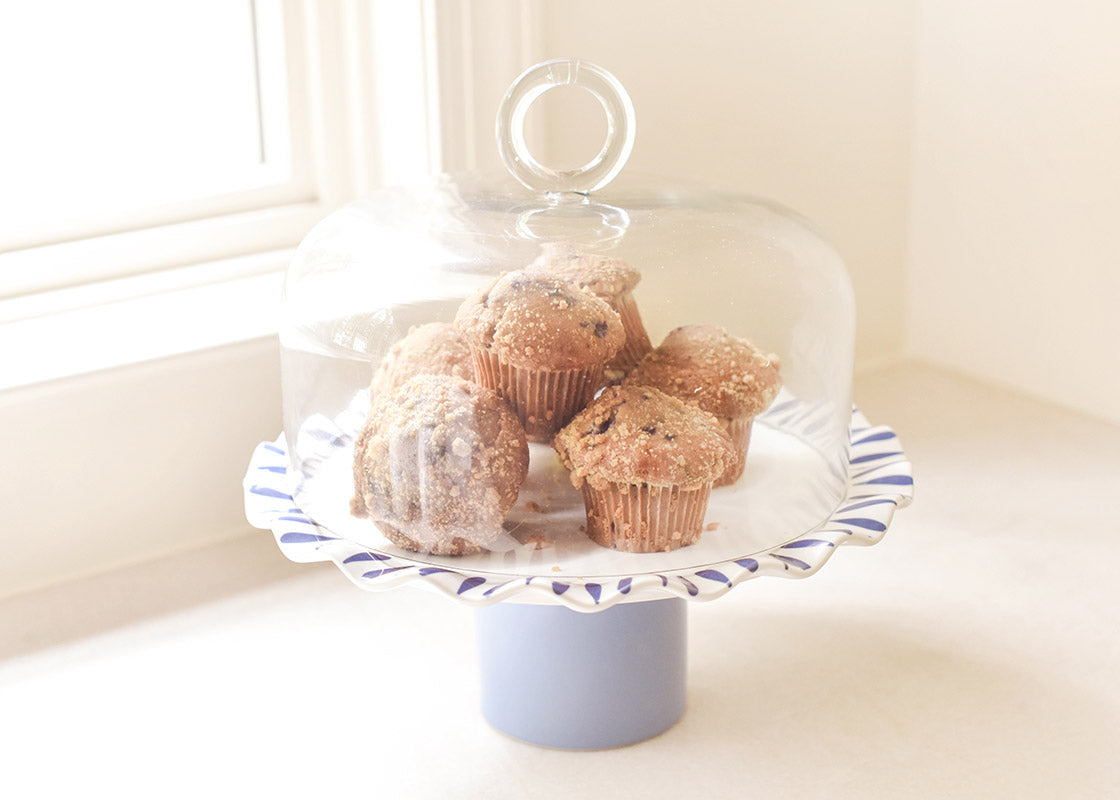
{"x":590,"y":371}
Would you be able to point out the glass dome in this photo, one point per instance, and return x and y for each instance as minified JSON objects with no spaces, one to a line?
{"x":436,"y":467}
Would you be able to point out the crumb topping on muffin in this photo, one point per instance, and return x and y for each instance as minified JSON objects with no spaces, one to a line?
{"x":435,"y":348}
{"x":439,"y":459}
{"x":601,"y":275}
{"x":640,"y":435}
{"x":541,"y":322}
{"x":705,"y":365}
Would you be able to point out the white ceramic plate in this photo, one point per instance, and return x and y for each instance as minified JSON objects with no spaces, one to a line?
{"x":574,"y":571}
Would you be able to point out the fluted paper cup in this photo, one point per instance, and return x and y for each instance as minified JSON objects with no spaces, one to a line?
{"x":643,"y":518}
{"x":739,"y":429}
{"x":544,"y":400}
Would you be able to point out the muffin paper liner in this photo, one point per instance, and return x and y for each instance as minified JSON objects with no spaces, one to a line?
{"x":645,"y":519}
{"x":637,"y":340}
{"x":544,"y":400}
{"x":739,"y":429}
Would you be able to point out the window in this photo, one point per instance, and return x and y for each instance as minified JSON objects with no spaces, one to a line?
{"x":130,"y":112}
{"x":148,"y":148}
{"x":124,"y":116}
{"x":133,"y":254}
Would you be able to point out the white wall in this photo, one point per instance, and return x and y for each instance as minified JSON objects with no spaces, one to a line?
{"x":805,"y":102}
{"x":129,"y":464}
{"x":1014,"y":268}
{"x":964,"y":158}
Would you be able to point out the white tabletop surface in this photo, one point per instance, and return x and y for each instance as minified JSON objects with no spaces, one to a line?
{"x":975,"y":652}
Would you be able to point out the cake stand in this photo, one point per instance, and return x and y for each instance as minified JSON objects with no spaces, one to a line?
{"x":581,"y":661}
{"x":580,"y":646}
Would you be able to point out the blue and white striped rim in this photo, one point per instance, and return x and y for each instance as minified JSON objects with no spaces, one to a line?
{"x":879,"y":482}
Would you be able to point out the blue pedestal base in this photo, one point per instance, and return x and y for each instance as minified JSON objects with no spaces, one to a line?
{"x":558,"y":678}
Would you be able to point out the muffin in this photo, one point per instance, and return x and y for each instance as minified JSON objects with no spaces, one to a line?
{"x":432,"y":349}
{"x":613,"y":281}
{"x":723,"y":375}
{"x":438,"y":464}
{"x":645,"y":462}
{"x":542,"y":343}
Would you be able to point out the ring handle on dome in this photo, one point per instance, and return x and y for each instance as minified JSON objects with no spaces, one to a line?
{"x":534,"y":82}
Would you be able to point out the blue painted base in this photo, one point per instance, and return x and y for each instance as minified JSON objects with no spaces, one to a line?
{"x":558,"y":678}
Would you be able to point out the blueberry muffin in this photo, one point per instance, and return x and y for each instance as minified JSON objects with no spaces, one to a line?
{"x":645,"y":462}
{"x":612,"y":280}
{"x":542,"y":343}
{"x":435,"y":348}
{"x":726,"y":376}
{"x":438,"y":465}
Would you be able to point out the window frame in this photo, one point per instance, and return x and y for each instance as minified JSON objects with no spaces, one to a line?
{"x":148,"y":432}
{"x":67,"y":324}
{"x":331,"y":120}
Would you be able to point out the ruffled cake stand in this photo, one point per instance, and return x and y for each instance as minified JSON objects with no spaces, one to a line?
{"x":582,"y":647}
{"x":569,"y":660}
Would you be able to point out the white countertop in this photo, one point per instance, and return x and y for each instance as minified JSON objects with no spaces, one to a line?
{"x":975,"y":652}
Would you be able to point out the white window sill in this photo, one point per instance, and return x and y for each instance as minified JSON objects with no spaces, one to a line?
{"x":128,"y":422}
{"x":135,"y":320}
